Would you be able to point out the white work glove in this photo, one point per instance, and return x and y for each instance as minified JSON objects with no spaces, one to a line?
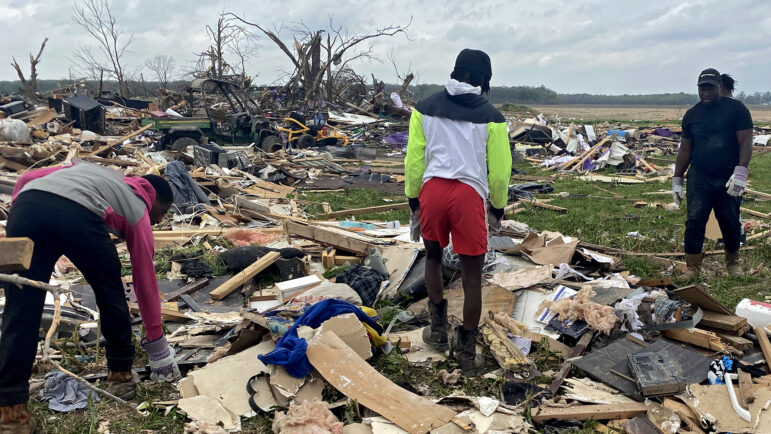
{"x":677,"y":189}
{"x":414,"y":220}
{"x":738,"y":181}
{"x":163,"y":367}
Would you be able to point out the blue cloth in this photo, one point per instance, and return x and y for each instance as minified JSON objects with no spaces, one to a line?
{"x":290,"y":349}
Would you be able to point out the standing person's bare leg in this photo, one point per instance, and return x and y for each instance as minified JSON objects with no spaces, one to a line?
{"x":435,"y":335}
{"x":471,"y":276}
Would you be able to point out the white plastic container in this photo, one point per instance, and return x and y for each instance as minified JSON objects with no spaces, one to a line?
{"x":758,"y":313}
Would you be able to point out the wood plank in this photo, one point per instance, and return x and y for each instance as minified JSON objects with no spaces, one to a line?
{"x":368,"y":210}
{"x":544,"y":205}
{"x":247,"y":273}
{"x":109,"y":161}
{"x":166,"y":314}
{"x":697,"y":337}
{"x":755,"y":213}
{"x":192,"y":304}
{"x":15,"y":254}
{"x":722,"y":321}
{"x":187,"y":289}
{"x":758,"y":193}
{"x":595,"y":412}
{"x":326,"y":236}
{"x":10,"y":164}
{"x":120,"y":140}
{"x":765,"y":345}
{"x":737,"y":342}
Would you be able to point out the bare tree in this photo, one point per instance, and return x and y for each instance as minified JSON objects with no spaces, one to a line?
{"x":30,"y":86}
{"x":339,"y":48}
{"x":228,"y":39}
{"x":162,"y":67}
{"x":96,"y":17}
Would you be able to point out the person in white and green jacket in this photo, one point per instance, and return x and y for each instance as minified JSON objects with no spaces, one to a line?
{"x":458,"y":158}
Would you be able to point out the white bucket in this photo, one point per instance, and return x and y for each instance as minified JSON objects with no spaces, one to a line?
{"x":758,"y":313}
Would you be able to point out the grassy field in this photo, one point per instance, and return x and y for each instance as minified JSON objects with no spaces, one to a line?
{"x":760,"y":114}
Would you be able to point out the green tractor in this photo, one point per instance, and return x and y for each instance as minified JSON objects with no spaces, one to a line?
{"x":224,"y":113}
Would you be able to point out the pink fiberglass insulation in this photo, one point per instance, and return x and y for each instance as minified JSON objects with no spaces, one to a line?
{"x":309,"y":417}
{"x":246,"y":237}
{"x":580,"y":307}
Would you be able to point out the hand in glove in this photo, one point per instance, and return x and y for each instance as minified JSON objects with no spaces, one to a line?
{"x":414,"y":220}
{"x":677,"y":189}
{"x":494,"y":216}
{"x":163,"y":367}
{"x":738,"y":181}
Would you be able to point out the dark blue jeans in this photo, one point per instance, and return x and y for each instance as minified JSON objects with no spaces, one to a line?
{"x":704,"y":194}
{"x":59,"y":226}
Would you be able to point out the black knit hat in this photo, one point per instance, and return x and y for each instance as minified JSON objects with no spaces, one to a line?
{"x":475,"y":61}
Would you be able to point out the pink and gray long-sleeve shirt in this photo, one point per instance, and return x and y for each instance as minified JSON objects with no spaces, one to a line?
{"x":124,"y":204}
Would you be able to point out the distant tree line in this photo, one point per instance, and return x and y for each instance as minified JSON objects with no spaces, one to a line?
{"x":498,"y":94}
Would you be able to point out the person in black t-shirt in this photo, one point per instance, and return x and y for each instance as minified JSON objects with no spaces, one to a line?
{"x":717,"y":145}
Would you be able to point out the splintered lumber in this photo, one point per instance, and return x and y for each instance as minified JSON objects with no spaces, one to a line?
{"x":765,"y":345}
{"x":595,"y":412}
{"x":565,"y":369}
{"x":166,"y":314}
{"x":368,"y":210}
{"x":15,"y":254}
{"x":243,"y":276}
{"x":508,"y":355}
{"x":722,"y":321}
{"x":359,"y":381}
{"x":737,"y":342}
{"x":579,"y":160}
{"x":745,"y":388}
{"x":697,"y":337}
{"x":327,"y":236}
{"x":120,"y":140}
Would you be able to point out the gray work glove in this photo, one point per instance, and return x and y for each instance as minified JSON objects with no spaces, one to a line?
{"x":163,"y":367}
{"x":677,"y":189}
{"x":414,"y":220}
{"x":494,"y":217}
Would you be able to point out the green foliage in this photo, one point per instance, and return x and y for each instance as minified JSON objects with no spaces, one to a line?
{"x":334,"y":271}
{"x":356,"y":198}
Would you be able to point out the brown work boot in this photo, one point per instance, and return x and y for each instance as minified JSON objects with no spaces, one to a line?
{"x":435,"y":335}
{"x":122,"y":384}
{"x":693,"y":265}
{"x":464,"y":344}
{"x":732,"y":263}
{"x":15,"y":419}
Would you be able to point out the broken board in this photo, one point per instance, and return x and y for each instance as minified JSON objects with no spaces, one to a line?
{"x":356,"y":379}
{"x":494,"y":298}
{"x":15,"y":254}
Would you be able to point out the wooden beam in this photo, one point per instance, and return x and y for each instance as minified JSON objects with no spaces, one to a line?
{"x":187,"y":289}
{"x":737,"y":342}
{"x":765,"y":345}
{"x":722,"y":321}
{"x":755,"y":213}
{"x":326,"y":236}
{"x":543,"y":205}
{"x":15,"y":254}
{"x":113,"y":161}
{"x":745,"y":388}
{"x":595,"y":412}
{"x":368,"y":210}
{"x":120,"y":140}
{"x":697,"y":337}
{"x":242,"y":277}
{"x":758,"y":193}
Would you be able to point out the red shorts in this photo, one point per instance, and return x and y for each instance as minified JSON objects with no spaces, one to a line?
{"x":450,"y":206}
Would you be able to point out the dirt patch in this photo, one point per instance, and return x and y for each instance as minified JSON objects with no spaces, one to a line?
{"x":635,"y":113}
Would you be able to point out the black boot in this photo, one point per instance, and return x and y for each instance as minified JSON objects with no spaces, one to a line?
{"x":464,"y":348}
{"x":435,"y":335}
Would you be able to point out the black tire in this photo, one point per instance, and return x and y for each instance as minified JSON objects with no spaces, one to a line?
{"x":306,"y":141}
{"x":271,"y":144}
{"x":182,"y":143}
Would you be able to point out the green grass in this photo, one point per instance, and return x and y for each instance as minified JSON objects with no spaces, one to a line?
{"x":355,"y":198}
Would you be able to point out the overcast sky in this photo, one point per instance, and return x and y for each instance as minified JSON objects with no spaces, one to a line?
{"x":602,"y":47}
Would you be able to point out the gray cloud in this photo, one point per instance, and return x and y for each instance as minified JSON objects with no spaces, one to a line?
{"x":588,"y":46}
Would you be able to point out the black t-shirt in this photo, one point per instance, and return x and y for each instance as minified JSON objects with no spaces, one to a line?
{"x":712,"y":130}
